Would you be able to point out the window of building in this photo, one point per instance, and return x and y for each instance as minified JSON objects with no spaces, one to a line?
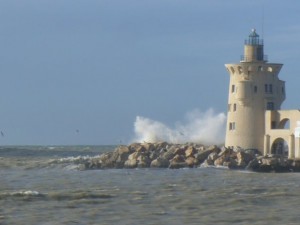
{"x":270,"y":106}
{"x":234,"y":107}
{"x":266,"y":88}
{"x":232,"y":88}
{"x":270,"y":88}
{"x":232,"y":126}
{"x":255,"y":89}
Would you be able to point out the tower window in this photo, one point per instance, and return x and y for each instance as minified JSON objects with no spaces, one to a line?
{"x":234,"y":107}
{"x":270,"y":88}
{"x":232,"y":126}
{"x":255,"y":89}
{"x":266,"y":88}
{"x":232,"y":88}
{"x":270,"y":106}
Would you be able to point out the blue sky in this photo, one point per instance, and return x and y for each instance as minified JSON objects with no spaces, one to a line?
{"x":81,"y":71}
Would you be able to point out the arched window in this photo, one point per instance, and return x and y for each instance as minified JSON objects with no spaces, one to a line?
{"x":280,"y":147}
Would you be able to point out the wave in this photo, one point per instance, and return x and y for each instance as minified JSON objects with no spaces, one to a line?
{"x":57,"y":196}
{"x":70,"y":163}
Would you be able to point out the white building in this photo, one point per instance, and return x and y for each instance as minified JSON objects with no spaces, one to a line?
{"x":254,"y":119}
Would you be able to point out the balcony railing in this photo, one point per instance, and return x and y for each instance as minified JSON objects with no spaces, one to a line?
{"x":246,"y":58}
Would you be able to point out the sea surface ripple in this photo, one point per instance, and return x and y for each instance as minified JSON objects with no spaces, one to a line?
{"x":45,"y":185}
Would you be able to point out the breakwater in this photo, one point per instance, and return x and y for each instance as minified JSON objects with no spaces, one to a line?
{"x":175,"y":156}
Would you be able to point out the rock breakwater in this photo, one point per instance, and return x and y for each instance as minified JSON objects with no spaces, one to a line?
{"x":175,"y":156}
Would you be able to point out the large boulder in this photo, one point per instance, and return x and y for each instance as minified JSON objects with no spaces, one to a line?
{"x":168,"y":153}
{"x":190,"y":151}
{"x":207,"y":162}
{"x":132,"y":160}
{"x":143,"y":161}
{"x":270,"y":163}
{"x":131,"y":163}
{"x":191,"y":161}
{"x":220,"y":160}
{"x":122,"y":155}
{"x":243,"y":158}
{"x":295,"y":165}
{"x":177,"y":162}
{"x":180,"y":150}
{"x":160,"y":163}
{"x":213,"y":156}
{"x":201,"y":156}
{"x":108,"y":159}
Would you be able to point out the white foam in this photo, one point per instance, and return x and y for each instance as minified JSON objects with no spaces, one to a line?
{"x":198,"y":127}
{"x":26,"y":193}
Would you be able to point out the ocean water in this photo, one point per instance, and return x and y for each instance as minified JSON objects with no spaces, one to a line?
{"x":48,"y":185}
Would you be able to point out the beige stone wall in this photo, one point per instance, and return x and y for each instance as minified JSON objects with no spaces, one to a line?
{"x":281,"y":124}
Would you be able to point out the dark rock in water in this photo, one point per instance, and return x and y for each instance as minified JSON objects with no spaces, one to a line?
{"x":253,"y":165}
{"x":243,"y":158}
{"x":295,"y":165}
{"x":270,"y":163}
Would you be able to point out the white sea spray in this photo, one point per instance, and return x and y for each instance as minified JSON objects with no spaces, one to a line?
{"x":198,"y":127}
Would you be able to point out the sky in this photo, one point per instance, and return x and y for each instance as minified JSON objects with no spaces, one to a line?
{"x":83,"y":71}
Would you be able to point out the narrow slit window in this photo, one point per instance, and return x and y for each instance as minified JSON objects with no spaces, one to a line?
{"x":255,"y":89}
{"x":266,"y":88}
{"x":270,"y":88}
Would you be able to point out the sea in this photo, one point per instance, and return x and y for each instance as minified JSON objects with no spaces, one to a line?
{"x":49,"y":185}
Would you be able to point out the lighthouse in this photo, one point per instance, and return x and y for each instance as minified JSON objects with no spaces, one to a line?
{"x":254,"y":89}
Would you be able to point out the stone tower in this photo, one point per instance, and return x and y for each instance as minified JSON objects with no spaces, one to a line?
{"x":254,"y":88}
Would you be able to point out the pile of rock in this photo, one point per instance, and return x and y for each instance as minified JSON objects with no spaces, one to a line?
{"x":174,"y":156}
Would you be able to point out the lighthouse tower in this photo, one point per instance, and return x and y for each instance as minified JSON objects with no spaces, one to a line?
{"x":254,"y":88}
